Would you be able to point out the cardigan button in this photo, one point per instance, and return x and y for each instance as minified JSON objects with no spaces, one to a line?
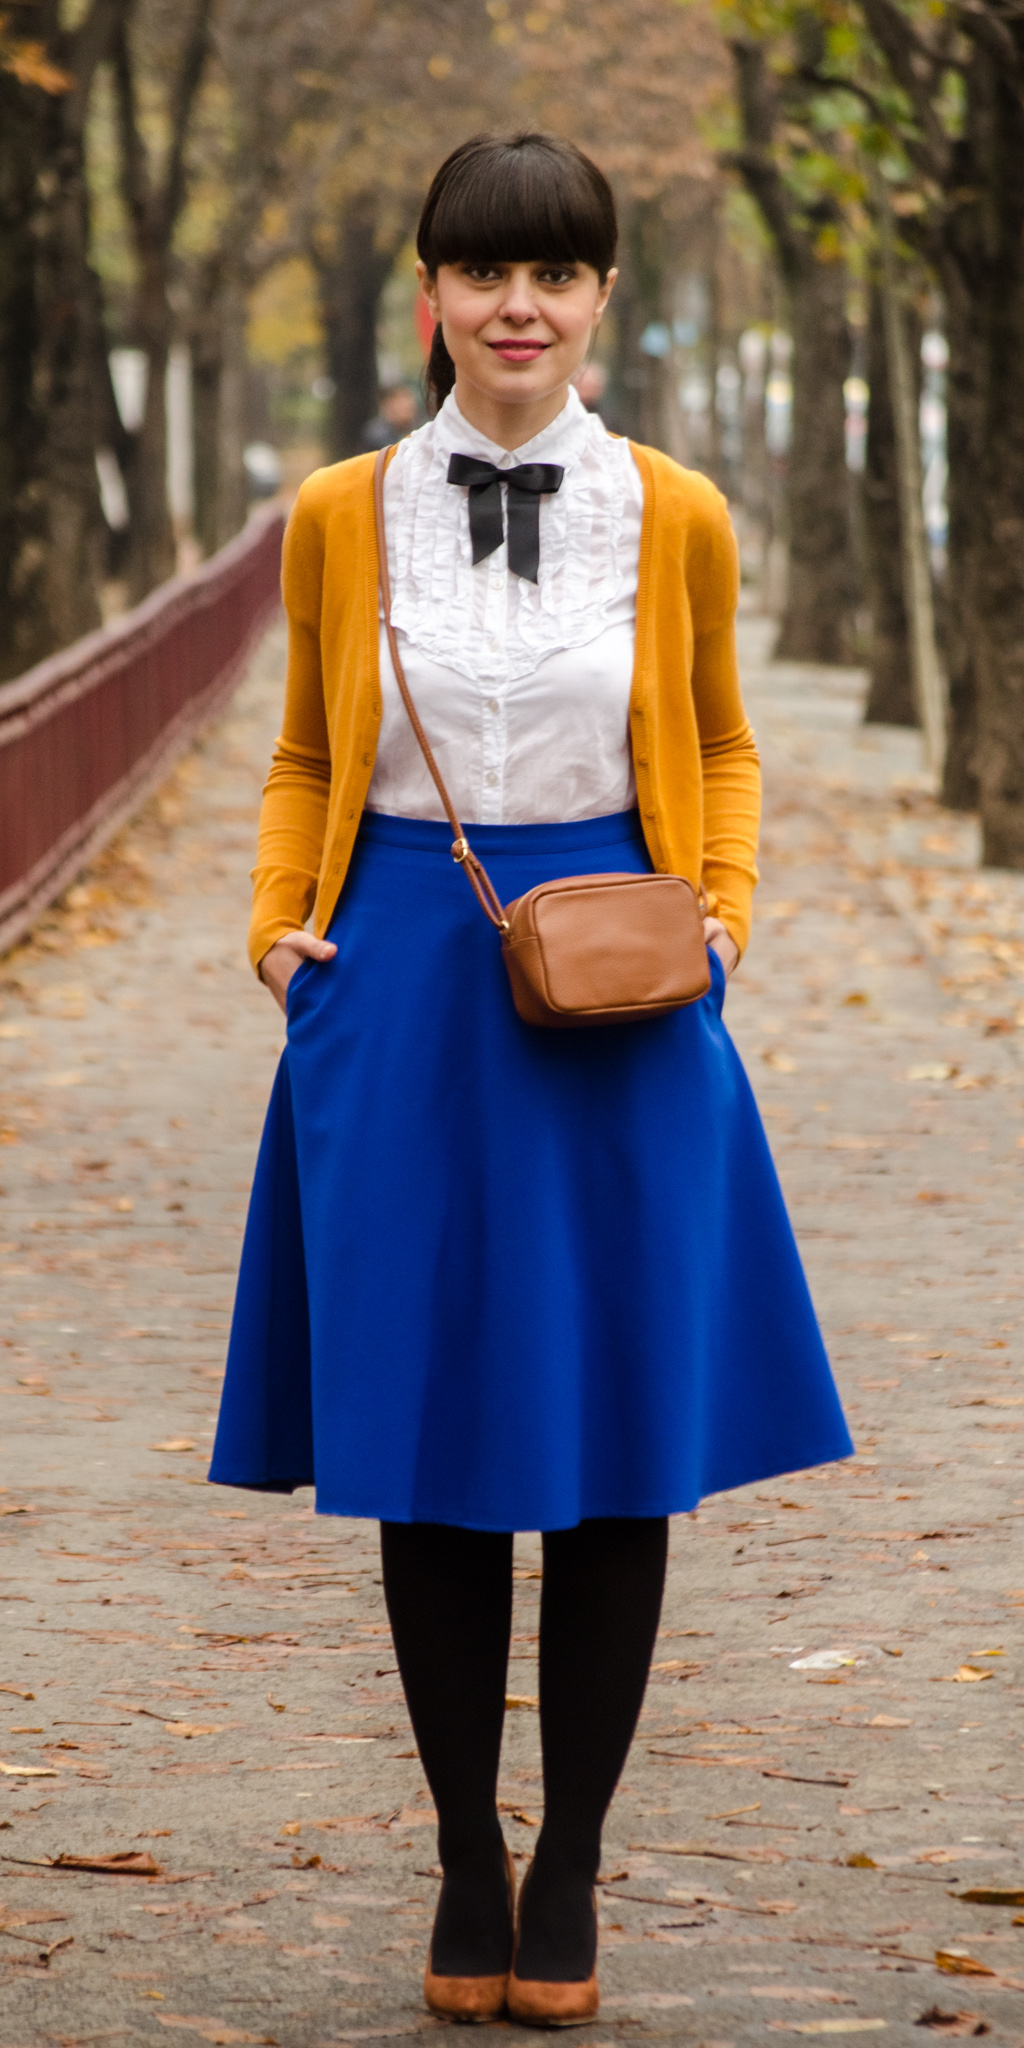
{"x":641,"y":760}
{"x":650,"y":813}
{"x":367,"y":758}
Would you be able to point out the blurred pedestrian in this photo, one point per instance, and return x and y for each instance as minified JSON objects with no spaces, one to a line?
{"x":497,"y":1277}
{"x":396,"y":417}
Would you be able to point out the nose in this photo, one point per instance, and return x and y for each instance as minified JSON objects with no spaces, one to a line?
{"x":519,"y":302}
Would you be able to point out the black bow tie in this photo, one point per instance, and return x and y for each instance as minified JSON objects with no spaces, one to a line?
{"x":526,"y":486}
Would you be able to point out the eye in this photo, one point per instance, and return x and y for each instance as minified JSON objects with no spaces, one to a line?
{"x":481,"y":273}
{"x":557,"y":273}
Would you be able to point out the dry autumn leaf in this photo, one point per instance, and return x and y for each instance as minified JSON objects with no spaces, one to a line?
{"x":27,"y":1771}
{"x":124,"y":1863}
{"x":967,"y":1675}
{"x":957,"y":1963}
{"x":30,"y":65}
{"x":524,"y":1699}
{"x":215,"y":2031}
{"x":175,"y":1443}
{"x":955,"y":2025}
{"x":990,"y":1895}
{"x":188,"y":1729}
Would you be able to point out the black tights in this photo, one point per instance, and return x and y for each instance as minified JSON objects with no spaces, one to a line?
{"x":449,"y":1598}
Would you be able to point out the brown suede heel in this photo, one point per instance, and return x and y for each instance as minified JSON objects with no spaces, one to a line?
{"x":471,"y":2000}
{"x":538,"y":2004}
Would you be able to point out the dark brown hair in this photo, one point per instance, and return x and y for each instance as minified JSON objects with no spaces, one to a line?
{"x":513,"y":199}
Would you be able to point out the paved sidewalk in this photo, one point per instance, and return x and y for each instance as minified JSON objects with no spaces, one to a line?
{"x":776,"y":1864}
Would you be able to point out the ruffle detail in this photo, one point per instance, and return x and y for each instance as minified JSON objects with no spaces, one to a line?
{"x":589,"y":545}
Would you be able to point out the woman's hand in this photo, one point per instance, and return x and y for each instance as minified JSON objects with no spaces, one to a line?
{"x":279,"y":964}
{"x":715,"y":935}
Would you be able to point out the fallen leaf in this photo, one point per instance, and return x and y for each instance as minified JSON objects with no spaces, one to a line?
{"x":780,"y":1061}
{"x":124,"y":1863}
{"x":734,"y":1812}
{"x":798,"y":1778}
{"x":887,"y":1721}
{"x":680,"y":1666}
{"x":967,"y":1675}
{"x":957,"y":1963}
{"x":954,"y":2024}
{"x":526,"y":1699}
{"x":20,"y":1692}
{"x":988,"y":1895}
{"x":27,"y":1771}
{"x":527,"y":1820}
{"x":175,"y":1443}
{"x":189,"y":1728}
{"x":932,"y":1070}
{"x":828,"y":2027}
{"x":292,"y":1827}
{"x":279,"y":1706}
{"x":213,"y":2030}
{"x":802,"y":1994}
{"x":861,"y":1862}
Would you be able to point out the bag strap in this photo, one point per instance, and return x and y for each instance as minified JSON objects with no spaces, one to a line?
{"x":462,"y":853}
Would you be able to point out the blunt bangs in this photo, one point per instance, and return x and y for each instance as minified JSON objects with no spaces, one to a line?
{"x":526,"y":198}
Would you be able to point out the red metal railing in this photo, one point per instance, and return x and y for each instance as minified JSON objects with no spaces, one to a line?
{"x":87,"y":734}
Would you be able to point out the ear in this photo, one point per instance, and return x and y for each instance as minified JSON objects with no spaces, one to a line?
{"x":428,"y":286}
{"x":604,"y":295}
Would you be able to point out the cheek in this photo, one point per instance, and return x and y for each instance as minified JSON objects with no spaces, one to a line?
{"x":573,"y":323}
{"x":463,"y":318}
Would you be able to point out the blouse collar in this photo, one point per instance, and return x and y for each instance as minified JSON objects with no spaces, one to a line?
{"x":563,"y":440}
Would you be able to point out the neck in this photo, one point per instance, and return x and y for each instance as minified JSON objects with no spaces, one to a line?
{"x":509,"y":425}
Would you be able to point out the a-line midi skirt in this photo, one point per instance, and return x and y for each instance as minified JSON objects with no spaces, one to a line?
{"x":503,"y":1277}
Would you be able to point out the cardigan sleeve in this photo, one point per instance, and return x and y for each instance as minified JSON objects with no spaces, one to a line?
{"x":293,"y":817}
{"x":729,"y":762}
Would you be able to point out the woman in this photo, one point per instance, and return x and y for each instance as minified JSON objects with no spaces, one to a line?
{"x":495,"y":1277}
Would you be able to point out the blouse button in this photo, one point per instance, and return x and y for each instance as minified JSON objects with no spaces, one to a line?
{"x":493,"y":705}
{"x":490,"y":778}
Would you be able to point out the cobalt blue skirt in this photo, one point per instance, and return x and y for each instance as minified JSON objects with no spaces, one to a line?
{"x":504,"y":1277}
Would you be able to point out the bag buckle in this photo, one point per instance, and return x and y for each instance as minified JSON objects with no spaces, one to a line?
{"x":460,"y":851}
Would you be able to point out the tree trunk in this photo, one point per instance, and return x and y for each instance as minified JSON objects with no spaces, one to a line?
{"x":890,"y":699}
{"x":818,"y":624}
{"x":232,"y":483}
{"x":964,"y":449}
{"x":637,"y":379}
{"x":351,"y":283}
{"x":51,"y":523}
{"x":205,"y":341}
{"x":999,"y":561}
{"x":151,"y":554}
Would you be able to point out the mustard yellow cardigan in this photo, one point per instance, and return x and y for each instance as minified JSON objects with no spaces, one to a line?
{"x":697,"y":773}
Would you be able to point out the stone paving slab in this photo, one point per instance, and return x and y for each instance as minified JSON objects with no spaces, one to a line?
{"x":776,"y":1864}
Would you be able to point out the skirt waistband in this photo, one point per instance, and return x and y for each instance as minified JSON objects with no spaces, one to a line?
{"x":430,"y":835}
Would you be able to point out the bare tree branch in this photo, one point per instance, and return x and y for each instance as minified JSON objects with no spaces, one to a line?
{"x":755,"y":162}
{"x":187,"y":85}
{"x":913,"y":66}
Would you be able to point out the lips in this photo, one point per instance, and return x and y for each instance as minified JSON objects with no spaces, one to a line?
{"x":518,"y":351}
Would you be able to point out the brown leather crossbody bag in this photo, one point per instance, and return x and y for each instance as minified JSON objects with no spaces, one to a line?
{"x":587,"y":949}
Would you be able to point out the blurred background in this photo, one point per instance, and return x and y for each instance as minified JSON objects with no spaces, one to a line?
{"x":207,"y":289}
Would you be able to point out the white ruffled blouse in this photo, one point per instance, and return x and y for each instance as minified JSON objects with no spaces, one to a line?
{"x":523,"y":688}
